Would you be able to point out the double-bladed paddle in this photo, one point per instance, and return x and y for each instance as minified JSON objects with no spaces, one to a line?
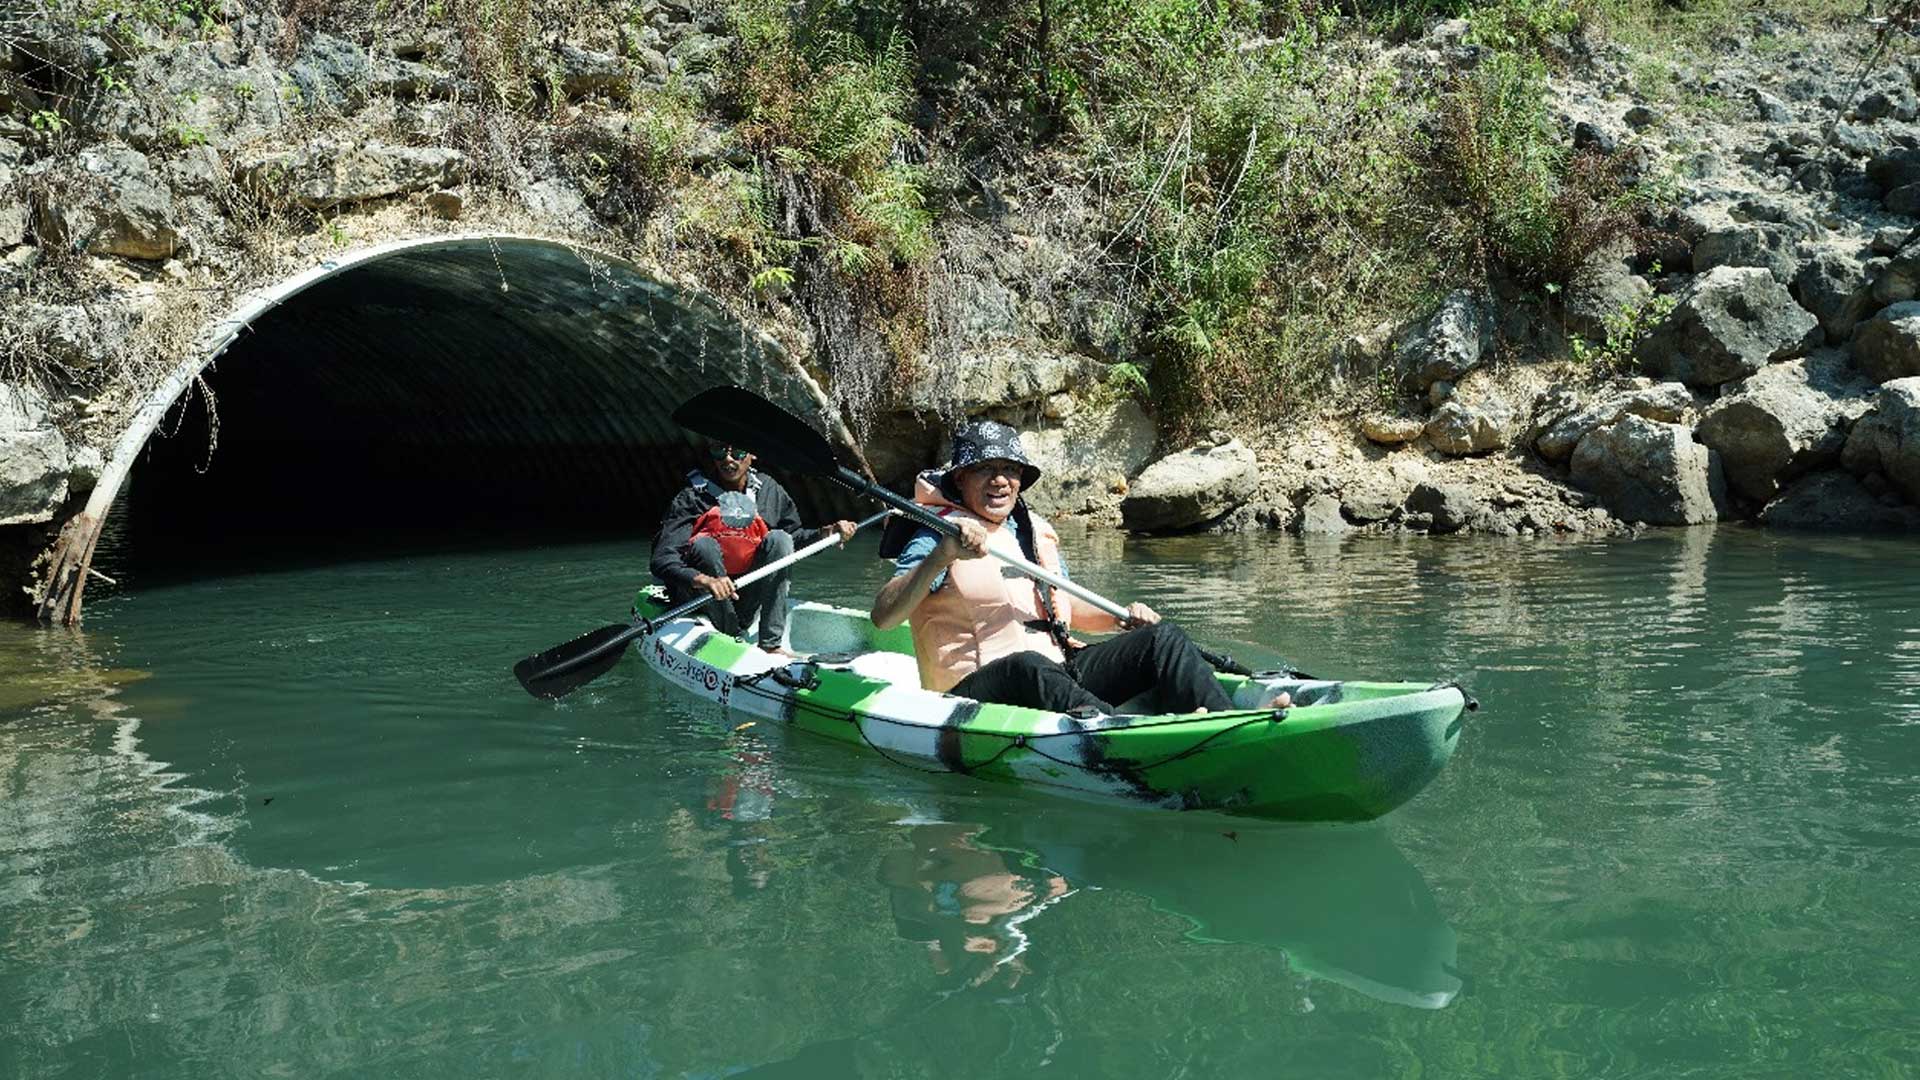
{"x":561,"y":670}
{"x":740,"y":417}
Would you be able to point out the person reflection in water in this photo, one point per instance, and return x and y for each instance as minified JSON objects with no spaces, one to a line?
{"x":967,"y":903}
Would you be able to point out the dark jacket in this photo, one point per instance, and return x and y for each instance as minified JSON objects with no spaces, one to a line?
{"x":700,"y":494}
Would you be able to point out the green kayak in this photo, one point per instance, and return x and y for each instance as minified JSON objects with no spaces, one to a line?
{"x":1345,"y":751}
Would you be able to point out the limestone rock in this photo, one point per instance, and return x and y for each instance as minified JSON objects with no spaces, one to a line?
{"x":1190,"y":488}
{"x":1087,"y":456}
{"x":13,"y":210}
{"x":1374,"y":495}
{"x":329,"y":173}
{"x":1837,"y":289}
{"x":1895,"y":169}
{"x":1461,"y":428}
{"x":1837,"y":502}
{"x":1605,"y":290}
{"x":1784,"y":421}
{"x":1002,"y":374}
{"x":1643,"y":470}
{"x":584,"y":72}
{"x":1729,"y":323}
{"x":1887,"y":440}
{"x":1447,"y":507}
{"x":558,"y":202}
{"x":34,"y":462}
{"x":1887,"y":346}
{"x":1666,"y":402}
{"x":115,"y":205}
{"x":1321,"y":517}
{"x":1391,"y":430}
{"x":1450,"y":343}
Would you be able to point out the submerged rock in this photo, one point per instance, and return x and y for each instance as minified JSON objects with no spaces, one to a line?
{"x":1837,"y":502}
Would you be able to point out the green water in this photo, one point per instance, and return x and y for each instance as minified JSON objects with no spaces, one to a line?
{"x":303,"y":823}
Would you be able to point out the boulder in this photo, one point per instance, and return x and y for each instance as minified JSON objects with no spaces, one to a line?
{"x":1769,"y":108}
{"x":1321,"y":517}
{"x":1375,"y":495}
{"x":1391,"y":430}
{"x":1784,"y":421}
{"x":1729,"y":323}
{"x":1669,"y":403}
{"x":1895,"y":168}
{"x":558,"y":203}
{"x":114,"y":204}
{"x":1190,"y":488}
{"x":1836,"y":288}
{"x":1644,"y":470}
{"x":1444,"y":507}
{"x":1450,"y":343}
{"x":1837,"y":502}
{"x":1603,"y":292}
{"x":34,"y":460}
{"x":1887,"y":346}
{"x":1766,"y":246}
{"x":584,"y":72}
{"x":1458,"y":427}
{"x":1887,"y":440}
{"x":1087,"y":456}
{"x":330,"y":173}
{"x":13,"y":210}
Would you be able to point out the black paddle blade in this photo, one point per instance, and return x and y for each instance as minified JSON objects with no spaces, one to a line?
{"x":739,"y":417}
{"x":565,"y":668}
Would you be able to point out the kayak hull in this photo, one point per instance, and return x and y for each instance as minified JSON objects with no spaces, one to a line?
{"x":1347,"y":751}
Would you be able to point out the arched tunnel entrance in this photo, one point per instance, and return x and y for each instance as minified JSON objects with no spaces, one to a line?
{"x":440,"y":392}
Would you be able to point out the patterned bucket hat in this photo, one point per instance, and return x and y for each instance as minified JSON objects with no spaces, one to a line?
{"x":983,"y":440}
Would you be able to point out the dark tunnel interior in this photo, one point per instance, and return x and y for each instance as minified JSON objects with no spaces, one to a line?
{"x":486,"y":393}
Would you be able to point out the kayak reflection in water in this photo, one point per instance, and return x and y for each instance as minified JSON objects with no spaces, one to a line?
{"x":967,"y":903}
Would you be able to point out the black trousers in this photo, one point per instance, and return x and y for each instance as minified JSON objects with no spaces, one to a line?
{"x":766,"y":598}
{"x":1158,"y":658}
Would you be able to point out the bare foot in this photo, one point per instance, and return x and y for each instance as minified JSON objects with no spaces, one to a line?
{"x":1281,"y":700}
{"x":781,"y":650}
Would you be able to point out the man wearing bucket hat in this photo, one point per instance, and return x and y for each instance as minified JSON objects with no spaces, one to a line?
{"x":729,"y":519}
{"x":982,"y":631}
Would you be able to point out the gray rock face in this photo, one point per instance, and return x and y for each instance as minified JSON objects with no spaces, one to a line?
{"x":1729,"y":323}
{"x":1767,"y":246}
{"x":1666,"y":402}
{"x":1643,"y":470}
{"x":1887,"y":440}
{"x":116,"y":204}
{"x":1887,"y":346}
{"x":1837,"y":289}
{"x":1461,"y":428}
{"x":1449,"y":344}
{"x":1190,"y":488}
{"x":34,"y":462}
{"x":331,"y":73}
{"x":1001,"y":375}
{"x":1447,"y":507}
{"x":65,"y":332}
{"x":1786,"y":420}
{"x":326,"y":174}
{"x":1836,"y":502}
{"x":559,"y":203}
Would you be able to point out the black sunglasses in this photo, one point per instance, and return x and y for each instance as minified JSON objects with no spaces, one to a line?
{"x":718,"y":452}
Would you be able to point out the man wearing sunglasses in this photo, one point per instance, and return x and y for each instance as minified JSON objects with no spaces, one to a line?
{"x":728,"y":520}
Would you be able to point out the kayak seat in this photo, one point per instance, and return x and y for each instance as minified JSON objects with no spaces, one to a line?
{"x":890,"y":667}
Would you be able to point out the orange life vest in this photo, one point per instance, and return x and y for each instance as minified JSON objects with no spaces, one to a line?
{"x":980,"y":613}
